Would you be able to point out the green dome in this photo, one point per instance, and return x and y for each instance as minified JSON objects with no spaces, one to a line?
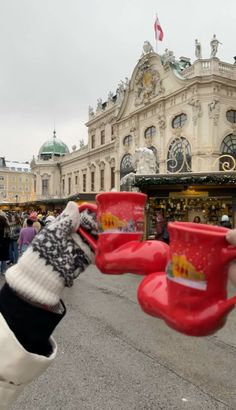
{"x":54,"y":146}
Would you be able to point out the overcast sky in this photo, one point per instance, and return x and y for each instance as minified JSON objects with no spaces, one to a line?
{"x":59,"y":56}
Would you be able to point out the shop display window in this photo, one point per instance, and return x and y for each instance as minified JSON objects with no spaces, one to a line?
{"x":208,"y":209}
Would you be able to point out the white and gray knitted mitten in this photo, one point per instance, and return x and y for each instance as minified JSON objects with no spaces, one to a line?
{"x":56,"y":256}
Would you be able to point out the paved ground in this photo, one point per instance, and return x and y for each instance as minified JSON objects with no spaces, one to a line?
{"x":113,"y":356}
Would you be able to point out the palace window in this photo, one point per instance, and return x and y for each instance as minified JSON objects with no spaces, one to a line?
{"x":102,"y":180}
{"x":126,"y":165}
{"x":179,"y":121}
{"x":150,"y":132}
{"x":127,"y":141}
{"x":231,"y":116}
{"x":102,"y":137}
{"x":179,"y":156}
{"x":45,"y":186}
{"x":92,"y":181}
{"x":84,"y":182}
{"x":93,"y":141}
{"x":69,"y":186}
{"x":113,"y":181}
{"x":228,"y":153}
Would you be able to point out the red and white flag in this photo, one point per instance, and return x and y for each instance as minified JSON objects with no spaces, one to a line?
{"x":158,"y":30}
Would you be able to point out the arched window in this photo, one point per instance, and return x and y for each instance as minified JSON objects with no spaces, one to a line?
{"x":179,"y":156}
{"x":127,"y":141}
{"x":179,"y":121}
{"x":231,"y":116}
{"x":228,"y":153}
{"x":126,"y":165}
{"x":150,"y":132}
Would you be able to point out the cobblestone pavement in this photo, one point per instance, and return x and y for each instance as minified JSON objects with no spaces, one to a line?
{"x":113,"y":356}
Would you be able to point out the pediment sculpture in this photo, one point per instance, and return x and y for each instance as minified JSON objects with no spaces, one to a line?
{"x":147,"y":84}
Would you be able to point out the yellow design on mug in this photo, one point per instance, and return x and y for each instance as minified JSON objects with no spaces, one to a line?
{"x":180,"y":267}
{"x":109,"y":221}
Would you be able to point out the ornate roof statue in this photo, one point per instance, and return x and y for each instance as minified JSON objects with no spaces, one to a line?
{"x":90,"y":112}
{"x":214,"y":46}
{"x":147,"y":48}
{"x":198,"y":49}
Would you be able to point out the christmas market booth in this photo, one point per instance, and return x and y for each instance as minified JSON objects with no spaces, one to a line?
{"x":183,"y":197}
{"x":47,"y":204}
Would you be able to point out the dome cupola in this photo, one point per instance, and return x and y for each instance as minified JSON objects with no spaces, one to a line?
{"x":53,"y":148}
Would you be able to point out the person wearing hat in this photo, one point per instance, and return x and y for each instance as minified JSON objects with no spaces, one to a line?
{"x":225,"y":222}
{"x":34,"y":217}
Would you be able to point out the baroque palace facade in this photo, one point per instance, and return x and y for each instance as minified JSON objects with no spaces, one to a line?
{"x":184,"y":113}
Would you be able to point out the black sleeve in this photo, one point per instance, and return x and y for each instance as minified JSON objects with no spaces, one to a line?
{"x":31,"y":325}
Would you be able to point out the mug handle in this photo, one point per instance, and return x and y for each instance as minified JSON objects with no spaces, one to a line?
{"x":86,"y":235}
{"x":229,"y":254}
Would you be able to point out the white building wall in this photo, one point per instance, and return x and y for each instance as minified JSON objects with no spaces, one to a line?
{"x":190,"y":92}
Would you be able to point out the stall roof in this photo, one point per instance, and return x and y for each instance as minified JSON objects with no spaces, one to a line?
{"x":216,"y":178}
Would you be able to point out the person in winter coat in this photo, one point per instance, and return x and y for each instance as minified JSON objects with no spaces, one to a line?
{"x":4,"y":243}
{"x":15,"y":228}
{"x":26,"y":236}
{"x":30,"y":301}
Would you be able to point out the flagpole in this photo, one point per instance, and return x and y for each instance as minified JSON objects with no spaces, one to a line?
{"x":158,"y":31}
{"x":156,"y":34}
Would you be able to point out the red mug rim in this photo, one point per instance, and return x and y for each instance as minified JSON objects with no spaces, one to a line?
{"x":123,"y":194}
{"x":192,"y":227}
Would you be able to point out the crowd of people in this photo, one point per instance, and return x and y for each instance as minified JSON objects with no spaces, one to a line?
{"x":17,"y":230}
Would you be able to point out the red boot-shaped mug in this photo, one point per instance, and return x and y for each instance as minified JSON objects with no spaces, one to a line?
{"x":191,"y":295}
{"x":120,"y":248}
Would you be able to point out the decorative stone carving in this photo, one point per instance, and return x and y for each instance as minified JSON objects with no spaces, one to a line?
{"x":134,"y":124}
{"x":110,"y":98}
{"x":147,"y":83}
{"x":99,"y":104}
{"x":120,"y":93}
{"x":168,"y":57}
{"x":81,"y":143}
{"x":90,"y":112}
{"x":145,"y":161}
{"x":196,"y":108}
{"x":126,"y":83}
{"x":214,"y":110}
{"x":33,"y":162}
{"x":214,"y":46}
{"x":198,"y":49}
{"x":161,"y":122}
{"x":147,"y":48}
